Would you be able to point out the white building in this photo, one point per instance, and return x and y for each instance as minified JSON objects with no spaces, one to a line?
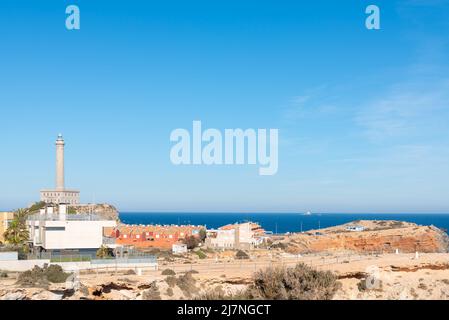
{"x":179,"y":248}
{"x":61,"y":231}
{"x":235,"y":236}
{"x":355,"y":228}
{"x":217,"y":238}
{"x":60,"y":194}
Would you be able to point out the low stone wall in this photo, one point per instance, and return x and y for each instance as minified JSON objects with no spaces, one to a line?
{"x":24,"y":265}
{"x":9,"y":255}
{"x":79,"y":266}
{"x":21,"y":265}
{"x":73,"y":266}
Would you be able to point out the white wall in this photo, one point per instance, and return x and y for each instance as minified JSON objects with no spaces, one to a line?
{"x":24,"y":265}
{"x":78,"y":266}
{"x":224,"y":239}
{"x":179,"y":248}
{"x":21,"y":265}
{"x":245,"y":234}
{"x":76,"y":234}
{"x":8,"y":256}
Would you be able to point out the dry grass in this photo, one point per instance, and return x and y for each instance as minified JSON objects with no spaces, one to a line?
{"x":168,"y":272}
{"x":299,"y":283}
{"x":41,"y":277}
{"x":169,"y":292}
{"x":187,"y":284}
{"x":152,"y":293}
{"x":171,"y":281}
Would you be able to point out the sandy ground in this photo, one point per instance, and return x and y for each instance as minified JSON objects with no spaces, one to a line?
{"x":390,"y":276}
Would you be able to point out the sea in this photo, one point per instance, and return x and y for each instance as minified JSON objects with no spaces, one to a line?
{"x":279,"y":222}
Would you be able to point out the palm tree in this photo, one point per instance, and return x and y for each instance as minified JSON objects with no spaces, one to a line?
{"x":17,"y":232}
{"x":21,"y":215}
{"x":103,"y":252}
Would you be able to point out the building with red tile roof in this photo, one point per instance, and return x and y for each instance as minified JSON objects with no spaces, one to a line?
{"x":153,"y":236}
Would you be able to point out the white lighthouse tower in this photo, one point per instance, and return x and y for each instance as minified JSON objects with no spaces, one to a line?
{"x":60,"y":195}
{"x":60,"y":163}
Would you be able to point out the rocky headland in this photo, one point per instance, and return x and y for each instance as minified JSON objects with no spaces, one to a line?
{"x":377,"y":237}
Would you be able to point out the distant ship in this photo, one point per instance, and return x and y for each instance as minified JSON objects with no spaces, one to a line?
{"x":308,"y":213}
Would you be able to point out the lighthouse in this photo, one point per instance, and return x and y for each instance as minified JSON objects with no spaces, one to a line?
{"x":60,"y":162}
{"x":60,"y":195}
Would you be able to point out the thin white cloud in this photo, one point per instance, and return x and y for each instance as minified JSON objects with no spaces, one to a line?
{"x":315,"y":102}
{"x":407,"y":111}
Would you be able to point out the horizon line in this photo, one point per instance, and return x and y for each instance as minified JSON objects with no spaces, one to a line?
{"x":264,"y":212}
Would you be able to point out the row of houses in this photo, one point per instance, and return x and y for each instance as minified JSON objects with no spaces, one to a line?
{"x":158,"y":236}
{"x":233,"y":236}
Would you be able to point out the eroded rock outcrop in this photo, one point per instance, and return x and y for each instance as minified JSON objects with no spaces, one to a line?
{"x":104,"y":210}
{"x":377,"y":236}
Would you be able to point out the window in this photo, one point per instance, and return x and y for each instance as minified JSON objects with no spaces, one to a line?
{"x":55,"y":228}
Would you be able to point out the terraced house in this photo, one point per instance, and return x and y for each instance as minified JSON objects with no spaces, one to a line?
{"x":153,"y":235}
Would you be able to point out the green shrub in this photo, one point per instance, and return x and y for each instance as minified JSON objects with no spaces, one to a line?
{"x":362,"y":285}
{"x":299,"y":283}
{"x":203,"y":235}
{"x":422,"y":286}
{"x":39,"y":277}
{"x":103,"y":252}
{"x":201,"y":254}
{"x":71,"y":210}
{"x":279,"y":245}
{"x":187,"y":284}
{"x":152,"y":293}
{"x":241,"y":255}
{"x":192,"y":242}
{"x":130,"y":272}
{"x":56,"y":274}
{"x":37,"y":206}
{"x":3,"y":274}
{"x":169,"y":292}
{"x":214,"y":294}
{"x":33,"y":278}
{"x":193,"y":271}
{"x":168,"y":272}
{"x":171,"y":281}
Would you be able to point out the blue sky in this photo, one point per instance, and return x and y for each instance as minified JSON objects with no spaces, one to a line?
{"x":362,"y":114}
